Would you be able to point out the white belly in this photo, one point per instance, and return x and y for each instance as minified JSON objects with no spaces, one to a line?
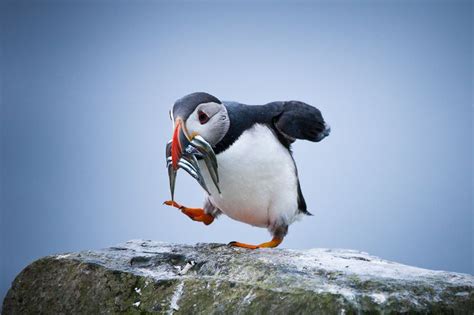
{"x":257,"y":179}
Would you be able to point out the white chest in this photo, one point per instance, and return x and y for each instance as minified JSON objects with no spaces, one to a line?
{"x":257,"y":179}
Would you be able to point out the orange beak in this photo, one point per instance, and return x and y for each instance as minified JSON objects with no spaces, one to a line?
{"x":179,"y":142}
{"x":176,"y":147}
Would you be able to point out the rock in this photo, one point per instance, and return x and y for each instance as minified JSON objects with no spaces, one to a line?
{"x":147,"y":276}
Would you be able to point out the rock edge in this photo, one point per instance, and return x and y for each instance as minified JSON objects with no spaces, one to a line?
{"x":154,"y":277}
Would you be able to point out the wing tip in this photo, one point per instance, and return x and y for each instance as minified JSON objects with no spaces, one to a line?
{"x":323,"y":134}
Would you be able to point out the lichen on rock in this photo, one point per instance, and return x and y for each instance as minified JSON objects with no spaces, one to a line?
{"x":153,"y":277}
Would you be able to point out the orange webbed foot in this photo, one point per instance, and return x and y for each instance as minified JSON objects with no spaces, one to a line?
{"x":195,"y":214}
{"x":273,"y":243}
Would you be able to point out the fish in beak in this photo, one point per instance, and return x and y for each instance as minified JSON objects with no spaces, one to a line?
{"x":183,"y":151}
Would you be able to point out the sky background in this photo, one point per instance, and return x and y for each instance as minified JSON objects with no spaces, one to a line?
{"x":85,"y":93}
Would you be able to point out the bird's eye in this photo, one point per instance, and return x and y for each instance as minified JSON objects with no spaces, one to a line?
{"x":203,"y":118}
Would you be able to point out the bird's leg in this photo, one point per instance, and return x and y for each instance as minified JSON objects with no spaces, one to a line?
{"x":196,"y":214}
{"x":278,"y":230}
{"x":273,"y":243}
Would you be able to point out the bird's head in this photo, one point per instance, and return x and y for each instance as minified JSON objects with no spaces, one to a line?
{"x":201,"y":114}
{"x":200,"y":121}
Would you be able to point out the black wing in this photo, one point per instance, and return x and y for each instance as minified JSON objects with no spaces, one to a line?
{"x":298,"y":120}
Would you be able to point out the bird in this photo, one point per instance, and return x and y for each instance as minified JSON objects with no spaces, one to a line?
{"x":241,"y":156}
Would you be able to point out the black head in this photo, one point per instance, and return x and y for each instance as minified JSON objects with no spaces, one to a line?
{"x":201,"y":114}
{"x":187,"y":104}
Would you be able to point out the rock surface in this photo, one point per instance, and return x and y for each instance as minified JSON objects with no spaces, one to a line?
{"x":146,"y":276}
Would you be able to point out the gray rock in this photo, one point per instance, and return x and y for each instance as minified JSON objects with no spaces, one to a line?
{"x":146,"y":276}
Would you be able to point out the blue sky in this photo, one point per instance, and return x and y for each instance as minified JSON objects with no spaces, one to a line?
{"x":86,"y":89}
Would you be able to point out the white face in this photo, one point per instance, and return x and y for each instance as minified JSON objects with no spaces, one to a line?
{"x":210,"y":121}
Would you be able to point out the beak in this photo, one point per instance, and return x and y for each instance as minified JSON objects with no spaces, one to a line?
{"x":178,"y":143}
{"x":183,"y":152}
{"x":171,"y":170}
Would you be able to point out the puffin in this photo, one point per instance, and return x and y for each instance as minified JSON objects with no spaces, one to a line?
{"x":241,"y":156}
